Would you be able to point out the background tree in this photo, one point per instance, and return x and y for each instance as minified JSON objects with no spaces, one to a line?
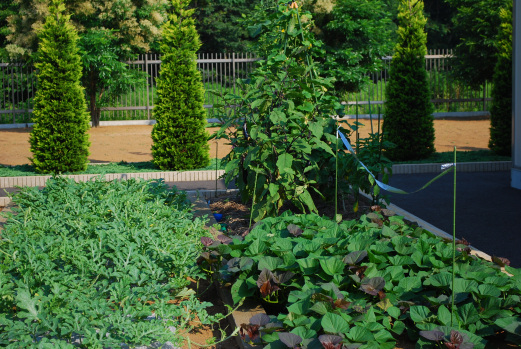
{"x":7,"y":8}
{"x":59,"y":139}
{"x":356,"y":34}
{"x":111,"y":32}
{"x":476,"y":24}
{"x":501,"y":111}
{"x":408,"y":121}
{"x":180,"y":141}
{"x":220,"y":27}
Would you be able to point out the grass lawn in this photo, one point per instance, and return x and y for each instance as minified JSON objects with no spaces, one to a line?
{"x":147,"y":166}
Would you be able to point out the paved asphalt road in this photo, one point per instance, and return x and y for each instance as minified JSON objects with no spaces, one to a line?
{"x":488,"y":209}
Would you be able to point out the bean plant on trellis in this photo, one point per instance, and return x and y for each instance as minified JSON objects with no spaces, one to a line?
{"x":279,"y":124}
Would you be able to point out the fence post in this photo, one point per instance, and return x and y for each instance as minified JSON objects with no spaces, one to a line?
{"x":233,"y":70}
{"x":12,"y":95}
{"x":148,"y":85}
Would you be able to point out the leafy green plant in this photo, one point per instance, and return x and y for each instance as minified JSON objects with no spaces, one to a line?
{"x":179,"y":136}
{"x":59,"y":139}
{"x":279,"y":125}
{"x":365,"y":283}
{"x":99,"y":264}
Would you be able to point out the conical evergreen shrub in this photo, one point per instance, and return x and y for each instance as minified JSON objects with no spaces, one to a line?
{"x":408,"y":121}
{"x":501,"y":111}
{"x":180,"y":141}
{"x":59,"y":139}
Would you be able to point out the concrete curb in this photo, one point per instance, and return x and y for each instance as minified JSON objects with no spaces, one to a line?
{"x":212,"y":175}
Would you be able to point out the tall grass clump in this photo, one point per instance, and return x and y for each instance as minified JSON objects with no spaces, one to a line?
{"x":59,"y":139}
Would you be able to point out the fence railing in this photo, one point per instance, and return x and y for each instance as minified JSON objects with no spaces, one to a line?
{"x":220,"y":72}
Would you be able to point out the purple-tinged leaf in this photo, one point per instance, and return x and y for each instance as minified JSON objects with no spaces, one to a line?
{"x":264,"y":276}
{"x":224,"y":239}
{"x":294,"y":230}
{"x":341,"y":303}
{"x":456,"y":337}
{"x":501,"y":261}
{"x":281,"y":278}
{"x":432,"y":335}
{"x":330,"y":341}
{"x":355,"y":257}
{"x":268,"y":288}
{"x":290,"y":339}
{"x":260,"y":319}
{"x":252,"y":331}
{"x":372,"y":285}
{"x":206,"y":241}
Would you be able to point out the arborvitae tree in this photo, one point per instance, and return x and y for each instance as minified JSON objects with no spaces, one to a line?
{"x":59,"y":139}
{"x":501,"y":111}
{"x":408,"y":121}
{"x":179,"y":135}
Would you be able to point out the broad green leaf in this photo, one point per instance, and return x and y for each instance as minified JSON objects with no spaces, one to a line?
{"x":489,"y":290}
{"x":468,"y":314}
{"x":257,"y":247}
{"x":320,"y":308}
{"x":444,"y":315}
{"x":316,"y":129}
{"x":419,"y":313}
{"x":284,"y":162}
{"x":334,"y":324}
{"x":510,"y":324}
{"x":359,"y":334}
{"x":277,"y":116}
{"x":332,"y":265}
{"x":394,"y":312}
{"x":270,"y":263}
{"x":308,"y":266}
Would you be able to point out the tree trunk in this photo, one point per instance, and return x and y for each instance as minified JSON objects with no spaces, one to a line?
{"x":95,"y":112}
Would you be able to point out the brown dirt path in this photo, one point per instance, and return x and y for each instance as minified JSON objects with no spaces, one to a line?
{"x":133,"y":143}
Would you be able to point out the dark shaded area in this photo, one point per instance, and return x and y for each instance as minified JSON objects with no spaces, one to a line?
{"x":487,"y":208}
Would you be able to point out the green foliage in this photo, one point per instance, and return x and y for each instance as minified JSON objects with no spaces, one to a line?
{"x":97,"y":264}
{"x":219,"y":23}
{"x":179,"y":135}
{"x":59,"y":139}
{"x":364,"y":283}
{"x":106,"y":75}
{"x":356,"y":35}
{"x":7,"y":8}
{"x":111,"y":32}
{"x":114,"y":167}
{"x":408,"y":121}
{"x":501,"y":111}
{"x":476,"y":24}
{"x":279,"y":125}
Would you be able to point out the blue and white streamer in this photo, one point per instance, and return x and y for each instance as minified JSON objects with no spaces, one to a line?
{"x":446,"y":167}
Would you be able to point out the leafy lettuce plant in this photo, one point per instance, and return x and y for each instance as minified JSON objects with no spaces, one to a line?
{"x":99,"y":264}
{"x":365,"y":283}
{"x":280,"y":125}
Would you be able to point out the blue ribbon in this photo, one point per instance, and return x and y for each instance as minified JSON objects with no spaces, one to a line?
{"x":447,"y":167}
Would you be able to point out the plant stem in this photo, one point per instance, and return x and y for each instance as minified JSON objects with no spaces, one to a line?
{"x":336,"y":172}
{"x":453,"y":242}
{"x":253,"y":200}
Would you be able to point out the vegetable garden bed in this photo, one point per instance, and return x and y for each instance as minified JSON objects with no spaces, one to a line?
{"x":100,"y":264}
{"x":374,"y":282}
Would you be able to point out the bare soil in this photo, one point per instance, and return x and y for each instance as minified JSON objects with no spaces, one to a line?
{"x":133,"y":143}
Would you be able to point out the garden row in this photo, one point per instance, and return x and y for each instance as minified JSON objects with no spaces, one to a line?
{"x":364,"y":284}
{"x":99,"y":264}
